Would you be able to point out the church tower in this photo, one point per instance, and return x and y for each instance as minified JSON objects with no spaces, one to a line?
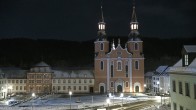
{"x":135,"y":47}
{"x":101,"y":49}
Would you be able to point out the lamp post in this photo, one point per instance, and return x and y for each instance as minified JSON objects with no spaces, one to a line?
{"x":161,"y":94}
{"x":158,"y":85}
{"x":121,"y":95}
{"x":70,"y":93}
{"x":144,"y":87}
{"x":33,"y":95}
{"x":113,"y":96}
{"x":108,"y":102}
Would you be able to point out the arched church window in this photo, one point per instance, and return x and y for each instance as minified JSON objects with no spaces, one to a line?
{"x":101,"y":46}
{"x":136,"y":46}
{"x":119,"y":65}
{"x":101,"y":65}
{"x":137,"y":65}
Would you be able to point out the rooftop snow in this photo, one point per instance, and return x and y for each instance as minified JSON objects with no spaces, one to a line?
{"x":190,"y":48}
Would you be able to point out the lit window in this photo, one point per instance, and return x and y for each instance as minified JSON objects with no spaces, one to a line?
{"x":186,"y":60}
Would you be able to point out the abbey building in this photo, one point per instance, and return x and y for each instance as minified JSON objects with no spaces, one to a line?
{"x":116,"y":69}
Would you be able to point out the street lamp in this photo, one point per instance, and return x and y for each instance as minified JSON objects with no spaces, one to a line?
{"x":158,"y":85}
{"x":144,"y":87}
{"x":33,"y":95}
{"x":70,"y":93}
{"x":108,"y":102}
{"x":121,"y":95}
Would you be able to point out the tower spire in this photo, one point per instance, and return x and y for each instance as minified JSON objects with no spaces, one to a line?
{"x":101,"y":26}
{"x":134,"y":25}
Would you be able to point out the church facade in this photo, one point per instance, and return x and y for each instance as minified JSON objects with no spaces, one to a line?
{"x":119,"y":69}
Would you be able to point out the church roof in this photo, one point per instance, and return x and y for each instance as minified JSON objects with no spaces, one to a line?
{"x":41,"y":64}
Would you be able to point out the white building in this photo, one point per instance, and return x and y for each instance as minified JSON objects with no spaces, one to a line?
{"x":183,"y":80}
{"x":12,"y":80}
{"x":160,"y":81}
{"x":77,"y":81}
{"x":148,"y":81}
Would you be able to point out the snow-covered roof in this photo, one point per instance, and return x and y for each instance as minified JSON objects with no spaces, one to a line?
{"x":178,"y":64}
{"x":161,"y":69}
{"x":12,"y":73}
{"x":73,"y":74}
{"x":42,"y":64}
{"x":190,"y":48}
{"x":149,"y":73}
{"x":193,"y":64}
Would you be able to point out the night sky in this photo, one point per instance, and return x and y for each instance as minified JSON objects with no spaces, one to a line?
{"x":77,"y":19}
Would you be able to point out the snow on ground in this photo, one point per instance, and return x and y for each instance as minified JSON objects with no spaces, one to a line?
{"x":53,"y":102}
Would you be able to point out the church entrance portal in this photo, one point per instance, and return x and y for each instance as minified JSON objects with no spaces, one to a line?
{"x":136,"y":88}
{"x":119,"y":88}
{"x":101,"y":89}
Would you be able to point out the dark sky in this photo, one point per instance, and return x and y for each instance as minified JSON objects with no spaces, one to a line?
{"x":77,"y":19}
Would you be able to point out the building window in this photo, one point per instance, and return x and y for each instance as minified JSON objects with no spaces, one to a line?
{"x":181,"y":107}
{"x":74,"y":81}
{"x":64,"y":87}
{"x":119,"y":65}
{"x":54,"y":81}
{"x":59,"y":81}
{"x":90,"y":81}
{"x":79,"y":87}
{"x":175,"y":107}
{"x":25,"y":81}
{"x":180,"y":88}
{"x":112,"y":71}
{"x":85,"y":81}
{"x":84,"y":87}
{"x":187,"y":89}
{"x":59,"y":87}
{"x":101,"y":46}
{"x":16,"y":81}
{"x":69,"y":81}
{"x":20,"y":81}
{"x":126,"y":69}
{"x":79,"y":81}
{"x":174,"y":85}
{"x":74,"y":87}
{"x":20,"y":87}
{"x":195,"y":90}
{"x":64,"y":81}
{"x":112,"y":84}
{"x":136,"y":46}
{"x":127,"y":84}
{"x":137,"y":65}
{"x":16,"y":87}
{"x":102,"y":65}
{"x":69,"y":88}
{"x":186,"y":60}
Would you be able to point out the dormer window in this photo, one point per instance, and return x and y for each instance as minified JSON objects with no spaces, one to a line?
{"x":186,"y":60}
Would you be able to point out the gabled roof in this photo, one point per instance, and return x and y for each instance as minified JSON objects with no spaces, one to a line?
{"x":178,"y":64}
{"x":190,"y":48}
